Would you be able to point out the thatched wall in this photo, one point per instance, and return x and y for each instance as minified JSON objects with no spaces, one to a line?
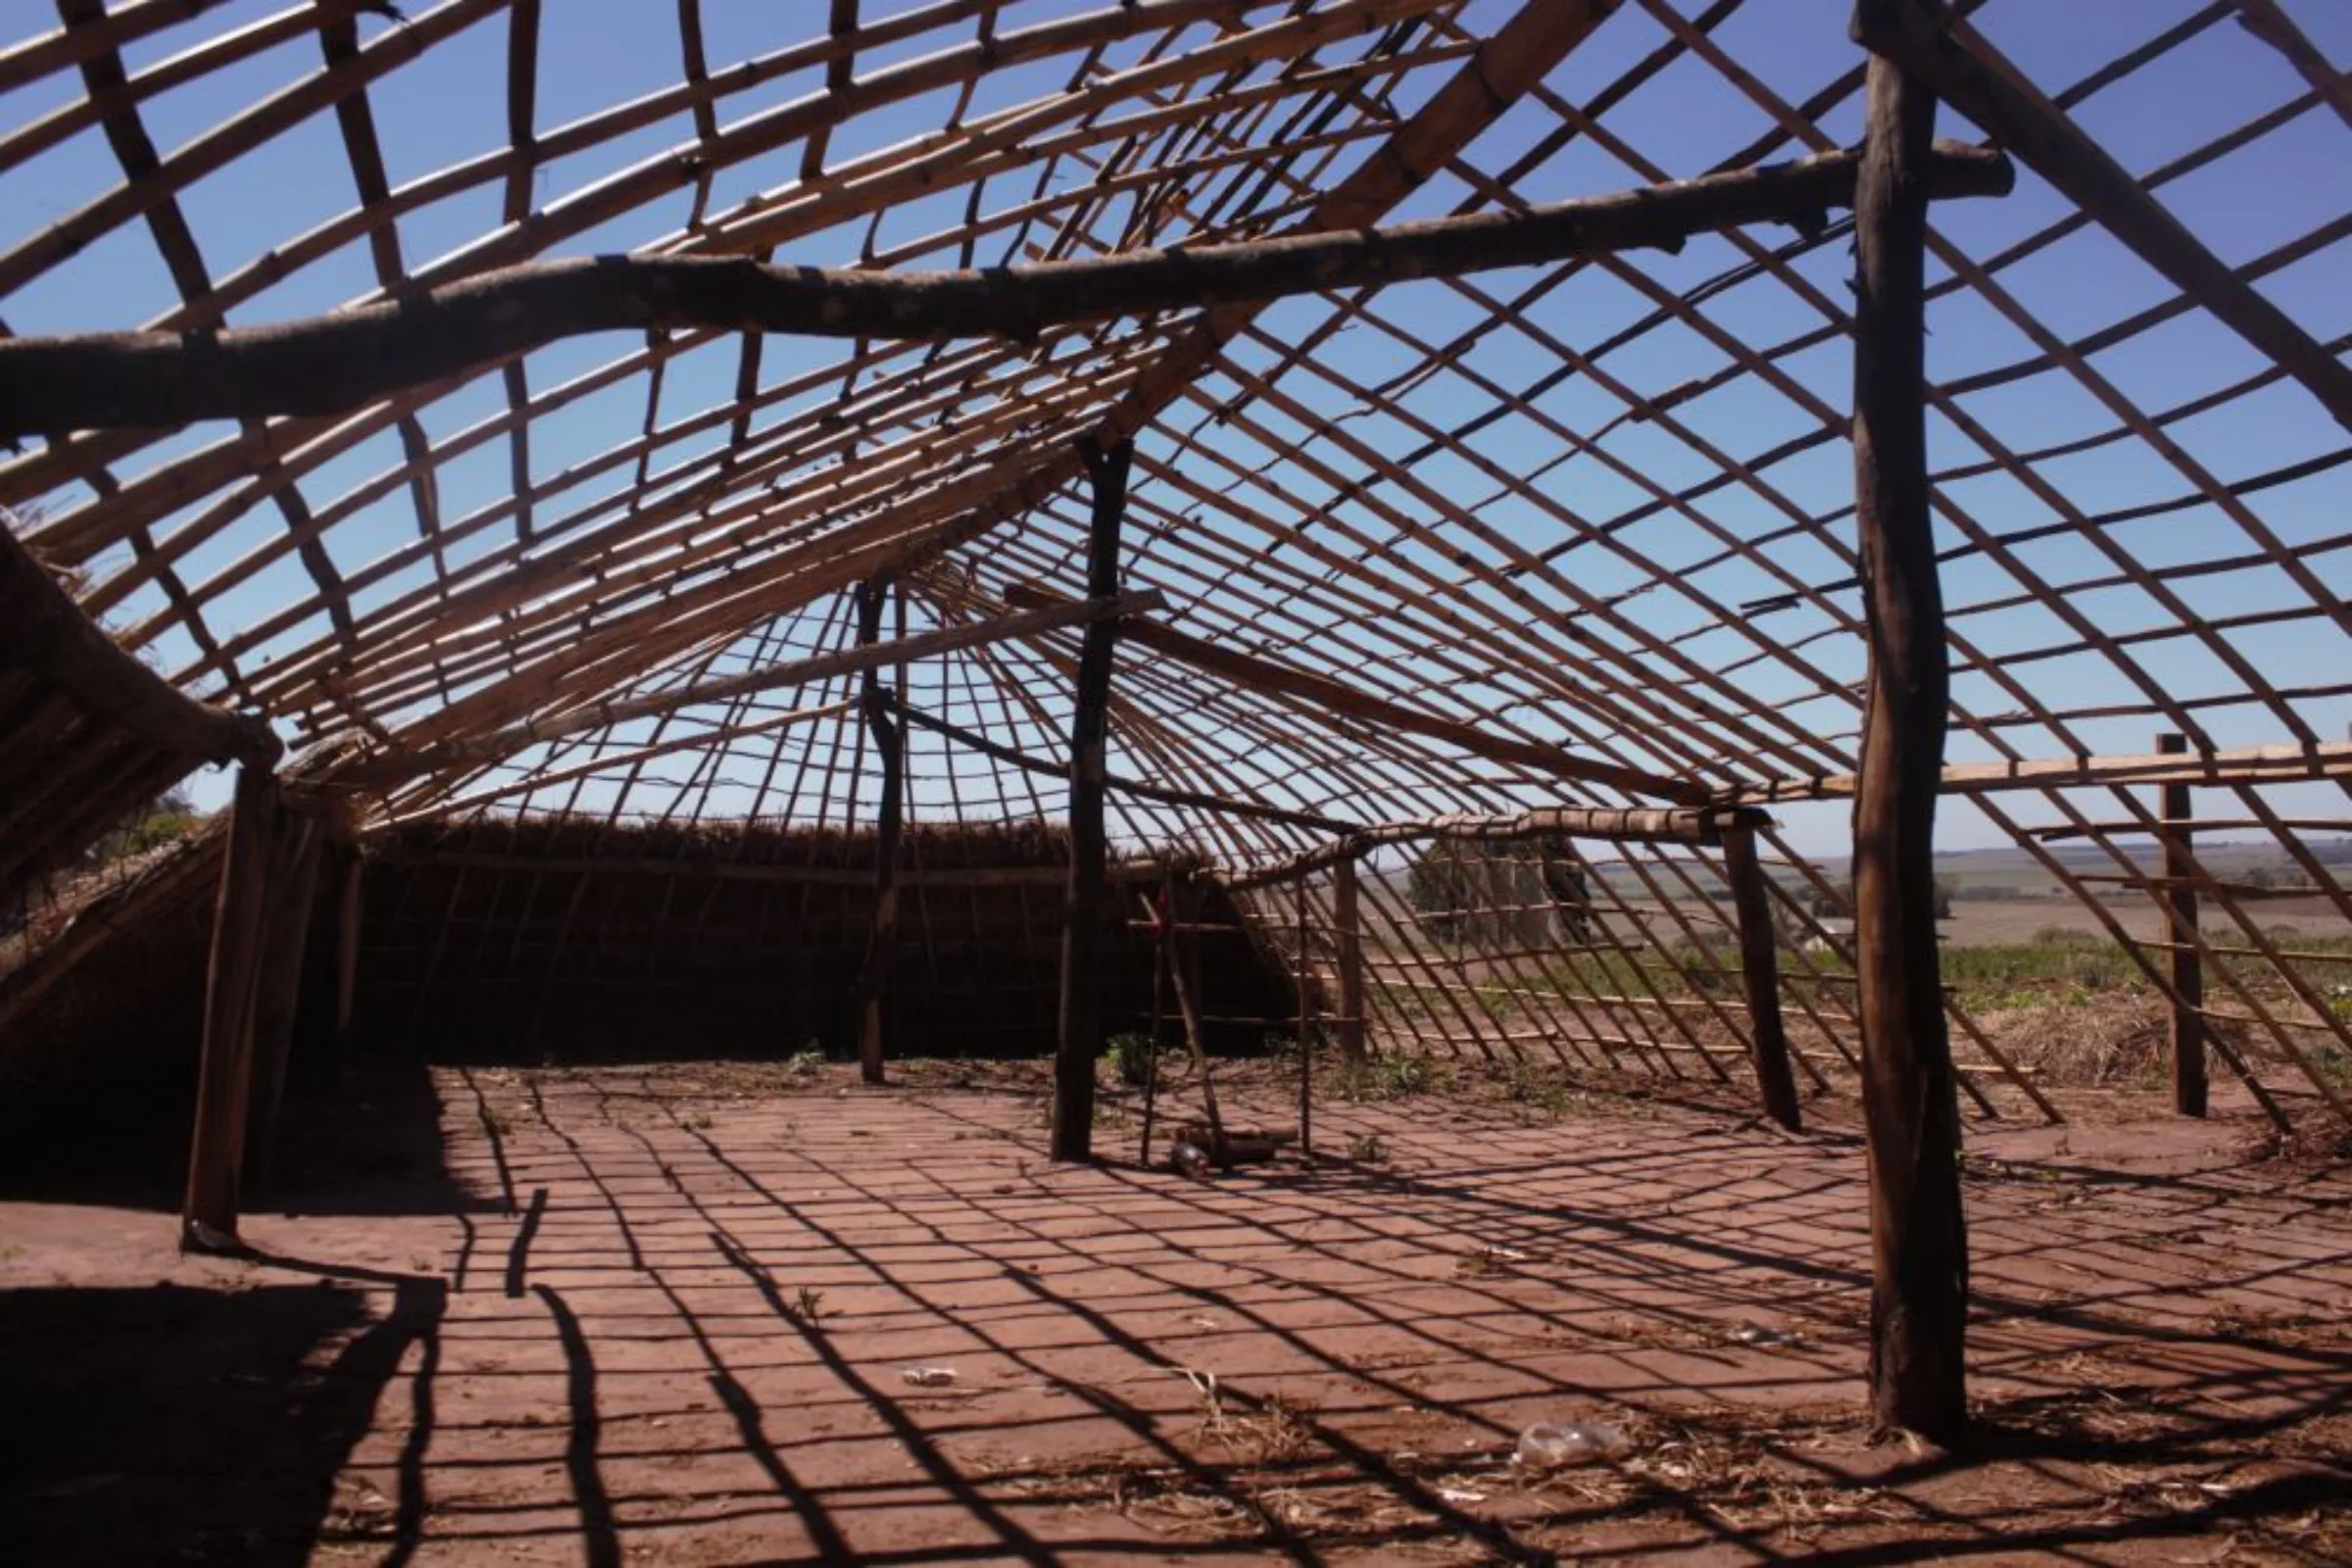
{"x":101,"y":997}
{"x":576,"y":940}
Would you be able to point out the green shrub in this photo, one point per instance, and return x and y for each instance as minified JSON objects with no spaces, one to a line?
{"x":1130,"y":1059}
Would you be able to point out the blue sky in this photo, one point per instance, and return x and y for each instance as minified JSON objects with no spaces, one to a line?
{"x":450,"y":105}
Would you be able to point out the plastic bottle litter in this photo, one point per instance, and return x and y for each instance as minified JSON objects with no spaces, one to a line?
{"x":1555,"y":1445}
{"x":1190,"y":1159}
{"x":929,"y":1377}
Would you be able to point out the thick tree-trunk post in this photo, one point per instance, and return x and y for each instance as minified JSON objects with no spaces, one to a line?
{"x":1919,"y":1241}
{"x":224,"y":1074}
{"x":2186,"y":967}
{"x":294,"y":882}
{"x":1760,"y":977}
{"x":873,"y":982}
{"x":1080,"y":1037}
{"x":1347,"y":949}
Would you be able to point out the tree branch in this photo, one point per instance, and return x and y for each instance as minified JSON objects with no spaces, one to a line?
{"x":330,"y":364}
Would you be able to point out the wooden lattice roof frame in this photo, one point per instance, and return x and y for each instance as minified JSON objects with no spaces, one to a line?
{"x":727,"y":532}
{"x":1590,"y":548}
{"x":1655,"y":572}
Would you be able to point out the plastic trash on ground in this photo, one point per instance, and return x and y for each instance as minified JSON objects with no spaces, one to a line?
{"x":1556,"y":1445}
{"x":929,"y":1377}
{"x":1190,"y":1159}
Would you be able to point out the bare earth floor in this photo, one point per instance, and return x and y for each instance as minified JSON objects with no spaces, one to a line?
{"x":666,"y":1316}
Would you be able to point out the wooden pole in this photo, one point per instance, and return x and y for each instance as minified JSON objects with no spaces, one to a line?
{"x":1919,"y":1242}
{"x":881,"y":945}
{"x":287,"y":932}
{"x":329,"y":364}
{"x":1162,"y":931}
{"x":1760,"y":977}
{"x":1012,"y":757}
{"x":1313,"y":690}
{"x":347,"y":950}
{"x":1080,"y":1036}
{"x":2187,"y":969}
{"x":1306,"y":1022}
{"x":2023,"y":120}
{"x":1184,"y":973}
{"x":1347,"y":942}
{"x":399,"y":766}
{"x":44,"y":632}
{"x":208,"y":1221}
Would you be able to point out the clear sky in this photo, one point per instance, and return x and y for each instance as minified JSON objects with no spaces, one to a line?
{"x":451,"y":105}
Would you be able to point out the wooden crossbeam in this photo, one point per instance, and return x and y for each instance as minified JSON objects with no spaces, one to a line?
{"x":1977,"y":80}
{"x":2250,"y":764}
{"x":399,"y":766}
{"x":1160,"y":794}
{"x":334,"y":363}
{"x":1321,"y":691}
{"x":1693,"y":825}
{"x":694,"y":871}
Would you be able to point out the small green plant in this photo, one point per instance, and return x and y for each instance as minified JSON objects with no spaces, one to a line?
{"x":1366,"y":1149}
{"x":807,"y":1306}
{"x":1395,"y":1075}
{"x":1131,"y":1059}
{"x":804,"y":1064}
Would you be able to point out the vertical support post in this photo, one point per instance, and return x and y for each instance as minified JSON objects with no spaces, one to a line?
{"x":873,"y":980}
{"x":2187,"y":969}
{"x":1163,"y":922}
{"x":1760,"y":977}
{"x":208,"y":1219}
{"x":347,"y":950}
{"x":1919,"y":1241}
{"x":286,"y":935}
{"x":1347,"y":951}
{"x":1184,"y":972}
{"x":1080,"y":1036}
{"x":1307,"y":1023}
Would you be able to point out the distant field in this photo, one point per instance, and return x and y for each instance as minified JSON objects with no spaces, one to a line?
{"x":1982,"y":923}
{"x":2042,"y":903}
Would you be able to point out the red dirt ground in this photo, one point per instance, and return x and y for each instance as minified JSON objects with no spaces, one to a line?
{"x":663,"y":1316}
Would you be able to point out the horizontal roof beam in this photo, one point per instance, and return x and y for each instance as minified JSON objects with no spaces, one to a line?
{"x":399,"y":766}
{"x":1333,"y":696}
{"x":1161,"y":794}
{"x":334,"y":363}
{"x":1694,"y":826}
{"x":2251,"y":765}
